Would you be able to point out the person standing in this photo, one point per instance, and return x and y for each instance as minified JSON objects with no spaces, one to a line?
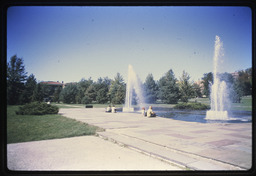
{"x":143,"y":112}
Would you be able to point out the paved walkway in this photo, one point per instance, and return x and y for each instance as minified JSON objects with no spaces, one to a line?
{"x":166,"y":144}
{"x":189,"y":145}
{"x":85,"y":153}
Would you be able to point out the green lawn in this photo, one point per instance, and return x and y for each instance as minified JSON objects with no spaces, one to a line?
{"x":24,"y":128}
{"x":62,"y":105}
{"x":245,"y":105}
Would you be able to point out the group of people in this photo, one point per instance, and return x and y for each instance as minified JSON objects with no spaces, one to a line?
{"x":149,"y":112}
{"x":111,"y":109}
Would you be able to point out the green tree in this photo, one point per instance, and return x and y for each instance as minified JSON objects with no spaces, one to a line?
{"x":16,"y":77}
{"x":244,"y":82}
{"x":82,"y":86}
{"x":168,"y":88}
{"x":236,"y":93}
{"x":249,"y":72}
{"x":242,"y":85}
{"x":56,"y":95}
{"x":186,"y":88}
{"x":86,"y":100}
{"x":233,"y":93}
{"x":151,"y":89}
{"x":197,"y":90}
{"x":117,"y":90}
{"x":207,"y":79}
{"x":91,"y":93}
{"x":30,"y":86}
{"x":38,"y":94}
{"x":227,"y":77}
{"x":102,"y":96}
{"x":68,"y":94}
{"x":102,"y":88}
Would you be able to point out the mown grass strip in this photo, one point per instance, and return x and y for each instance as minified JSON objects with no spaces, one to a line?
{"x":244,"y":105}
{"x":24,"y":128}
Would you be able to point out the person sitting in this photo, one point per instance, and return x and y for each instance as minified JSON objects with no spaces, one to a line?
{"x":113,"y":109}
{"x":143,"y":112}
{"x":108,"y":108}
{"x":150,"y":112}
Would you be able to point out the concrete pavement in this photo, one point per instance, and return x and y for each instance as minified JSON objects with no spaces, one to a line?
{"x":165,"y":144}
{"x":85,"y":153}
{"x":191,"y":145}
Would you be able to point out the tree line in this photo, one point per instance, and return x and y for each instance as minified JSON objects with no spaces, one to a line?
{"x":22,"y":89}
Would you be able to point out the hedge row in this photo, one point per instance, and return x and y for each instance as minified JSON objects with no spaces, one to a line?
{"x":37,"y":108}
{"x":193,"y":106}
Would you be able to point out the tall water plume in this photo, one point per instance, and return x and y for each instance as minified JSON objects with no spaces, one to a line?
{"x":219,"y":91}
{"x":134,"y":91}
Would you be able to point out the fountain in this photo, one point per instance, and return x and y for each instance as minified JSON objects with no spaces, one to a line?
{"x":220,"y":102}
{"x":219,"y":92}
{"x":133,"y":88}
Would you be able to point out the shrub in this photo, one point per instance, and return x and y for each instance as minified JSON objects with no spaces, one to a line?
{"x":37,"y":108}
{"x":193,"y":106}
{"x":86,"y":100}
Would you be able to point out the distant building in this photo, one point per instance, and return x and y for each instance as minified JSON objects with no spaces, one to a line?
{"x":235,"y":75}
{"x":200,"y":83}
{"x":53,"y":83}
{"x":52,"y":86}
{"x":64,"y":85}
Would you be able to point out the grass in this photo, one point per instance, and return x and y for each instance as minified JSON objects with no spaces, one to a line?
{"x":245,"y":105}
{"x":62,"y":105}
{"x":201,"y":100}
{"x":192,"y":106}
{"x":24,"y":128}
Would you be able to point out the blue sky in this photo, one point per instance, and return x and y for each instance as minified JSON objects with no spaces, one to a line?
{"x":71,"y":43}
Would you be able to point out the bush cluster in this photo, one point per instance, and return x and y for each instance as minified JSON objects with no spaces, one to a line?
{"x":193,"y":106}
{"x":37,"y":108}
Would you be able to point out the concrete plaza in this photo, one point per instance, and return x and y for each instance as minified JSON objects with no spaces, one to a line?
{"x":191,"y":145}
{"x":167,"y":144}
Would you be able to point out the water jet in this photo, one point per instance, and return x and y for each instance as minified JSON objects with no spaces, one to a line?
{"x":134,"y":91}
{"x":219,"y":91}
